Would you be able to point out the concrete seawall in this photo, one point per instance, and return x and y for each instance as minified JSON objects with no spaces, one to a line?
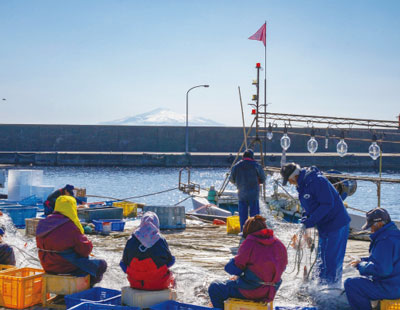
{"x":357,"y":162}
{"x":164,"y":146}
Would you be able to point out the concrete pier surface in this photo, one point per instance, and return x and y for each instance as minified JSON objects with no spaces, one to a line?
{"x":352,"y":161}
{"x":201,"y":251}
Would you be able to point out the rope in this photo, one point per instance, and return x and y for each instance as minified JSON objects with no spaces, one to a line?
{"x":23,"y":252}
{"x":182,"y":200}
{"x":226,"y":181}
{"x":355,"y":209}
{"x":134,"y":197}
{"x":300,"y":253}
{"x":152,"y":194}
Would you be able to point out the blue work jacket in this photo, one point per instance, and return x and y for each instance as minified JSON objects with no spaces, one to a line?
{"x":383,"y":264}
{"x":247,"y":175}
{"x":322,"y":204}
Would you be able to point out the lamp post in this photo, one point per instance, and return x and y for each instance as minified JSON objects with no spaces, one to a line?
{"x":187,"y":116}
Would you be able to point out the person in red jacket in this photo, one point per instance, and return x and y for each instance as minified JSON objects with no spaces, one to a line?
{"x":63,"y":247}
{"x":147,"y":258}
{"x":257,"y":268}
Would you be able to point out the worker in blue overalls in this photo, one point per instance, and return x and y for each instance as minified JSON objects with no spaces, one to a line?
{"x":247,"y":175}
{"x":381,"y":270}
{"x":323,"y":208}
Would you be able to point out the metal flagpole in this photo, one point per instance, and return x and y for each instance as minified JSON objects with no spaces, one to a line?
{"x":265,"y":105}
{"x":265,"y":89}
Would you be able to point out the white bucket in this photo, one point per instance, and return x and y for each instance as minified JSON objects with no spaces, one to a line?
{"x":106,"y":227}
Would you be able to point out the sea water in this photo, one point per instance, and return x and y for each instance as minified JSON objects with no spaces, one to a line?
{"x":120,"y":183}
{"x":159,"y":186}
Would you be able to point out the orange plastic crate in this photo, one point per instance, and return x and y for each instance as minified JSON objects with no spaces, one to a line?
{"x":21,"y":287}
{"x":6,"y":267}
{"x":389,"y":304}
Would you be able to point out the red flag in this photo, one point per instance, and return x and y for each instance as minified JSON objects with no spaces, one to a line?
{"x":261,"y":34}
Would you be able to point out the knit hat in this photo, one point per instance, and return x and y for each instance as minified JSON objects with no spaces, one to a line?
{"x":70,"y":189}
{"x":249,"y":153}
{"x":289,"y":170}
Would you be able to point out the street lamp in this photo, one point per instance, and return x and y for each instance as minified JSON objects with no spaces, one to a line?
{"x":187,"y":115}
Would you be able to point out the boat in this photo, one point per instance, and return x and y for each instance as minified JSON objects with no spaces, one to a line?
{"x":283,"y":205}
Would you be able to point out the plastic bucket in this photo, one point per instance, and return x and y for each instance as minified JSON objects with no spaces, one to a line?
{"x":106,"y":227}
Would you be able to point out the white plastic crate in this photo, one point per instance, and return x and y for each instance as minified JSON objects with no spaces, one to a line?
{"x":145,"y":299}
{"x":171,"y":217}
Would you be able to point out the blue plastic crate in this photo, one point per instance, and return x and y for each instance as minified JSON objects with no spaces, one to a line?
{"x":116,"y":225}
{"x":174,"y":305}
{"x":96,"y":294}
{"x":93,"y":306}
{"x":97,"y":205}
{"x":18,"y":214}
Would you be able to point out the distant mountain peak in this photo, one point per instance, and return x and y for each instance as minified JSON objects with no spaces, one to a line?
{"x":162,"y":117}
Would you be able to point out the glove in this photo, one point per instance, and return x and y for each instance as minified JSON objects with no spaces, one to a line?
{"x":306,"y":222}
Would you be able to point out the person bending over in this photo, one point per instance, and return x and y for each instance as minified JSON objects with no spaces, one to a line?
{"x":324,"y":209}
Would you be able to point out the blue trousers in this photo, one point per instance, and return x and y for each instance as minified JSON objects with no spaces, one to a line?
{"x":331,"y":250}
{"x":361,"y":290}
{"x":221,"y":291}
{"x":244,"y":206}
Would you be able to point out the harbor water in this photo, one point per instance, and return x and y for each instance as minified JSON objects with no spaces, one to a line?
{"x":201,"y":250}
{"x":120,"y":183}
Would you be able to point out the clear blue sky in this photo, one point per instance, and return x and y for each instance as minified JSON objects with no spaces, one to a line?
{"x":87,"y":61}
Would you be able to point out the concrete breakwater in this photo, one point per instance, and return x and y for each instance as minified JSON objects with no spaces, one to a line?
{"x":100,"y":145}
{"x":353,"y":161}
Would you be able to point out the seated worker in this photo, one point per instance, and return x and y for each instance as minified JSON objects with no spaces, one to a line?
{"x":63,"y":247}
{"x":146,"y":258}
{"x":6,"y":252}
{"x":381,"y":270}
{"x":67,"y":190}
{"x":257,"y":267}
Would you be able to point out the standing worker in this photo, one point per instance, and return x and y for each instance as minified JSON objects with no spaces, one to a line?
{"x":324,"y":209}
{"x":247,"y":175}
{"x":381,"y":270}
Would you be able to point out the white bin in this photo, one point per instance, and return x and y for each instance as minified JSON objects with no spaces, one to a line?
{"x":20,"y":183}
{"x":42,"y":191}
{"x":145,"y":299}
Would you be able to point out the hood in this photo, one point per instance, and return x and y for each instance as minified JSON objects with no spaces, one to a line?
{"x":148,"y":232}
{"x":50,"y":223}
{"x":66,"y":205}
{"x":390,"y":229}
{"x":264,"y":236}
{"x":307,"y":175}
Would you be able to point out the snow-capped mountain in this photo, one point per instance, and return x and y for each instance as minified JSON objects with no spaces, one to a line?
{"x":162,"y":117}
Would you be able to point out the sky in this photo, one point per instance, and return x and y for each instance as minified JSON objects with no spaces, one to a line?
{"x":91,"y":61}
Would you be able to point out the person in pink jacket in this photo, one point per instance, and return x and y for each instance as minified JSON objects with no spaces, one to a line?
{"x":257,"y":268}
